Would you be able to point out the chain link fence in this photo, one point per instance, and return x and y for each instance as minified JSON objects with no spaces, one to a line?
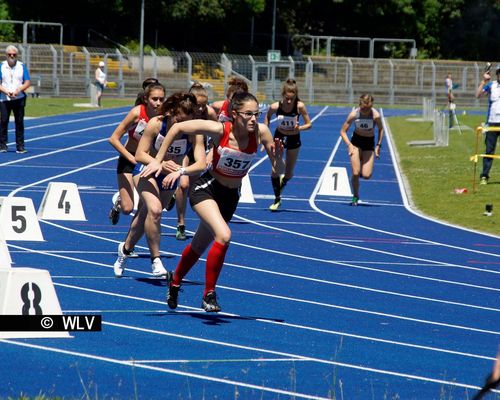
{"x":68,"y":71}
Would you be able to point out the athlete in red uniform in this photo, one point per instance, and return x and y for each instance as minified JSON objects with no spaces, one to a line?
{"x":216,"y":193}
{"x":133,"y":124}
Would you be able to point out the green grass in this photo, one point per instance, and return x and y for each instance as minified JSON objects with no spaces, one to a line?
{"x":434,"y":172}
{"x":39,"y":107}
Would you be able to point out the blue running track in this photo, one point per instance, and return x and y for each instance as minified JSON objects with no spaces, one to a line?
{"x":320,"y":300}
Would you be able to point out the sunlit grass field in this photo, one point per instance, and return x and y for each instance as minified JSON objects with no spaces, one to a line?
{"x":433,"y":174}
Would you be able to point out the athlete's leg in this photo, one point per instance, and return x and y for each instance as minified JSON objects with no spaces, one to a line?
{"x":126,"y":189}
{"x":367,"y":160}
{"x":356,"y":170}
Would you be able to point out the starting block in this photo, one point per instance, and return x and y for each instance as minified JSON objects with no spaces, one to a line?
{"x":61,"y":201}
{"x":335,"y":182}
{"x":246,"y":191}
{"x":18,"y":219}
{"x":28,"y":291}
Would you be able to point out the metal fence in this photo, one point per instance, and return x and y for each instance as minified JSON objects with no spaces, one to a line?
{"x":68,"y":71}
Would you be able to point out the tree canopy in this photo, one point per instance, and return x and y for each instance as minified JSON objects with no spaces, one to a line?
{"x":452,"y":29}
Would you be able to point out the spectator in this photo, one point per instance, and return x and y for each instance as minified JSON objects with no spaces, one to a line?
{"x":15,"y":79}
{"x":100,"y":82}
{"x":492,"y":88}
{"x":450,"y":97}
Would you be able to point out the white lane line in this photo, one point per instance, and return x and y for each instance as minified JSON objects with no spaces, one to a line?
{"x":220,"y":361}
{"x":392,"y":254}
{"x":189,"y":309}
{"x":287,"y":254}
{"x":255,"y":269}
{"x":312,"y":203}
{"x":226,"y":344}
{"x":52,"y":153}
{"x":73,"y":171}
{"x":132,"y":363}
{"x":77,"y":120}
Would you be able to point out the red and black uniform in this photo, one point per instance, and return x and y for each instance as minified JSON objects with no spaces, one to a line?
{"x":231,"y":163}
{"x":134,"y":134}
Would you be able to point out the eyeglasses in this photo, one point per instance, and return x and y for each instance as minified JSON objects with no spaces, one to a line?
{"x":13,"y":55}
{"x":249,"y":114}
{"x":162,"y":99}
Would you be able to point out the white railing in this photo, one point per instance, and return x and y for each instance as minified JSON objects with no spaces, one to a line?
{"x":69,"y":70}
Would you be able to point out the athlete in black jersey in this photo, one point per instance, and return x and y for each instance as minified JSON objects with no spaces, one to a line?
{"x":287,"y":111}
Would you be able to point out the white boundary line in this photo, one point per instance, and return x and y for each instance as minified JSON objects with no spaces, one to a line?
{"x":405,"y":189}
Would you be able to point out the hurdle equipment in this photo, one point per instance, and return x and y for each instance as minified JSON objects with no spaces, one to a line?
{"x":18,"y":219}
{"x":441,"y":132}
{"x":428,"y":106}
{"x":61,"y":201}
{"x":246,"y":194}
{"x":28,"y":291}
{"x":475,"y":158}
{"x":335,"y":182}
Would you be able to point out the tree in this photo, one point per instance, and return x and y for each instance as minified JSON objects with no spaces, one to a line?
{"x":442,"y":28}
{"x":7,"y":32}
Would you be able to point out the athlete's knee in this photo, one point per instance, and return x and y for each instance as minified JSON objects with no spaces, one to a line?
{"x":155,"y":213}
{"x":224,"y":236}
{"x":126,"y":207}
{"x":367,"y":176}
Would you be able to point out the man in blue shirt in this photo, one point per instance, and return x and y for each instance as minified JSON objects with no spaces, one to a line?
{"x":15,"y":79}
{"x":492,"y":88}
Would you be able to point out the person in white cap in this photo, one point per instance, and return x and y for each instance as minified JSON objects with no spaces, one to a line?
{"x":100,"y":82}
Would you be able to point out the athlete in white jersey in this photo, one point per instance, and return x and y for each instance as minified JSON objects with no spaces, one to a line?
{"x":361,"y":147}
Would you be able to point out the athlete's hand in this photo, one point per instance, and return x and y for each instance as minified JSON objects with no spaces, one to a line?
{"x":169,"y":181}
{"x":169,"y":166}
{"x":154,"y":167}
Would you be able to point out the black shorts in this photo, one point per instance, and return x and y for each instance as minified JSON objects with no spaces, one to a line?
{"x":190,"y":156}
{"x":124,"y":166}
{"x":290,"y":142}
{"x":207,"y":187}
{"x":363,"y":142}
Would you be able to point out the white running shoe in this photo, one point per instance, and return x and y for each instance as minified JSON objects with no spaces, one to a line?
{"x":158,"y":268}
{"x":119,"y":265}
